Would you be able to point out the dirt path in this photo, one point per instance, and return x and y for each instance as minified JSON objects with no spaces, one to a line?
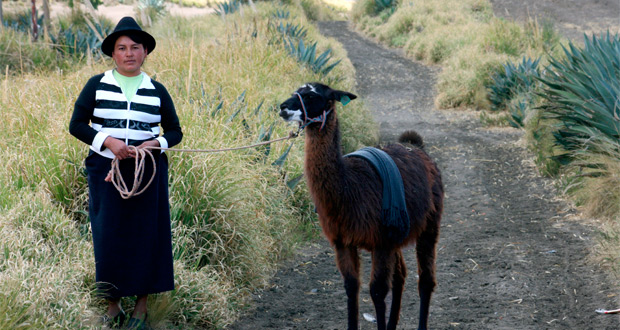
{"x":572,"y":18}
{"x":508,"y":257}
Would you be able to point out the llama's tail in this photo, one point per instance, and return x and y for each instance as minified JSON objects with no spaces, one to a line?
{"x":411,"y":137}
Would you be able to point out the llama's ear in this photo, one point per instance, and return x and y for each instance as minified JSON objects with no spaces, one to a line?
{"x":341,"y":96}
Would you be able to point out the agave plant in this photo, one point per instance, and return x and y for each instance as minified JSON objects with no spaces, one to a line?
{"x":21,"y":21}
{"x":582,"y":94}
{"x":382,"y":5}
{"x":282,"y":14}
{"x":74,"y":40}
{"x":150,"y":10}
{"x":512,"y":80}
{"x":228,"y":7}
{"x":295,"y":31}
{"x":306,"y":54}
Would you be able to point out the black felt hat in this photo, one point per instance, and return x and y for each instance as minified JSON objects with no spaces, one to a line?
{"x":127,"y":26}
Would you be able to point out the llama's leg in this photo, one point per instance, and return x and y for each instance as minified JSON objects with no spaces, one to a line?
{"x":398,"y":285}
{"x":425,"y":250}
{"x":382,"y":271}
{"x":347,"y":259}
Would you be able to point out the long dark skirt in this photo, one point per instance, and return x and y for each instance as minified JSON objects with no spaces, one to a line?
{"x":132,"y":238}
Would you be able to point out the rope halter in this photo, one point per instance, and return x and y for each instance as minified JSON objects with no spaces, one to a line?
{"x":307,"y":121}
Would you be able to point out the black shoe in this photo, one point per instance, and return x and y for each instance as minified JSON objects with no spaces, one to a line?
{"x":137,"y":324}
{"x":115,"y":322}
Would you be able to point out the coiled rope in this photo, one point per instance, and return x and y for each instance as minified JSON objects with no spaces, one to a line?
{"x":140,"y":161}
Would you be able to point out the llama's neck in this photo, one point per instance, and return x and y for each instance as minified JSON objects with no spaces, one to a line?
{"x":324,"y":164}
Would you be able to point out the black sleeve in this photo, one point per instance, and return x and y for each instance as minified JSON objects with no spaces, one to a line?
{"x":169,"y":119}
{"x":83,"y":112}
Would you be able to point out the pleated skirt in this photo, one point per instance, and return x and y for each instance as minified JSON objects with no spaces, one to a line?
{"x":131,"y":237}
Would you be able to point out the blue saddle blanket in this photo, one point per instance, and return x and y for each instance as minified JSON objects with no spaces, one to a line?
{"x":393,"y":207}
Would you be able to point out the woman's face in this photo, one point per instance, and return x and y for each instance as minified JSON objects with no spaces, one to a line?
{"x":128,"y":56}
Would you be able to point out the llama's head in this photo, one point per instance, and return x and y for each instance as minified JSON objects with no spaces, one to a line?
{"x":312,"y":103}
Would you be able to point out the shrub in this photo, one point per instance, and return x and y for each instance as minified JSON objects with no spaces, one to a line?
{"x":512,"y":88}
{"x":148,"y":11}
{"x":292,"y":37}
{"x":227,"y":7}
{"x":582,"y":93}
{"x":78,"y":35}
{"x":307,"y":55}
{"x":20,"y":21}
{"x":387,"y":6}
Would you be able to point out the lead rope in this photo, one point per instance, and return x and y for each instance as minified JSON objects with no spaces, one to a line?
{"x":142,"y":153}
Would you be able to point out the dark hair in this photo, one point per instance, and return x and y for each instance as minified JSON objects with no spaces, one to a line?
{"x":135,"y":37}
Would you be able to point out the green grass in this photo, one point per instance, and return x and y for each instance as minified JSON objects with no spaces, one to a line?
{"x":233,"y":215}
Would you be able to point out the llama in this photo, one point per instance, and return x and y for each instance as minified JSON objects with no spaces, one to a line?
{"x":347,"y":193}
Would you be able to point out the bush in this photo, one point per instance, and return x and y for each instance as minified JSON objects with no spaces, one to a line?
{"x":581,"y":102}
{"x":292,"y":37}
{"x":148,"y":11}
{"x":80,"y":35}
{"x":582,"y":94}
{"x":228,"y":7}
{"x":20,"y":21}
{"x":513,"y":89}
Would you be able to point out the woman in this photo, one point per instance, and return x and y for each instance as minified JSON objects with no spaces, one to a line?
{"x":131,"y":237}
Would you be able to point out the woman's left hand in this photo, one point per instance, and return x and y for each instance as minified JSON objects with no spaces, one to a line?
{"x":149,"y":143}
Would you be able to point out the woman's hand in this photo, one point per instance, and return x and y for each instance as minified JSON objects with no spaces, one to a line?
{"x":149,"y":143}
{"x":118,"y":148}
{"x":122,"y":150}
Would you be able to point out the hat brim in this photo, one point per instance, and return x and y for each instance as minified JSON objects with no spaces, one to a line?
{"x":107,"y":47}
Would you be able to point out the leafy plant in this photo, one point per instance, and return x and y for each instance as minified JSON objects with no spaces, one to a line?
{"x":292,"y":37}
{"x":21,"y":21}
{"x":228,"y":7}
{"x":77,"y":38}
{"x":306,"y":54}
{"x":389,"y":5}
{"x":281,"y":14}
{"x":582,"y":94}
{"x":511,"y":81}
{"x":295,"y":31}
{"x":150,"y":10}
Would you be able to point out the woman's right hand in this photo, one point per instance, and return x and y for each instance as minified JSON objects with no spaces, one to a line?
{"x":118,"y":148}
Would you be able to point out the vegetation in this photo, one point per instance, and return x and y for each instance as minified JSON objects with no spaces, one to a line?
{"x":513,"y":89}
{"x":193,"y":3}
{"x":234,"y":214}
{"x":571,"y":115}
{"x":581,"y":96}
{"x":148,"y":11}
{"x":74,"y":37}
{"x":464,"y":37}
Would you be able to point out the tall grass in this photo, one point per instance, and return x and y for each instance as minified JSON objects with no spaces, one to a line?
{"x":233,"y":214}
{"x":73,"y":39}
{"x":464,"y":37}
